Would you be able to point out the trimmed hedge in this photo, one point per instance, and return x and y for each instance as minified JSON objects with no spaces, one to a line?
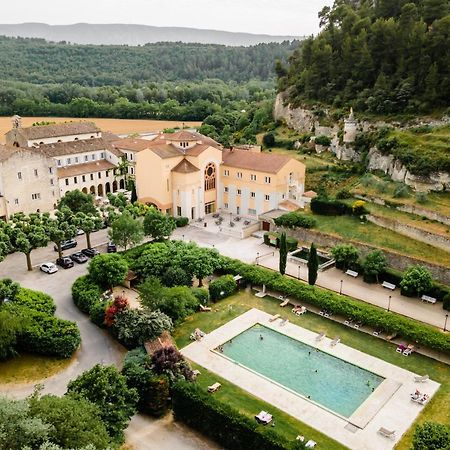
{"x":222,"y":287}
{"x":181,"y":221}
{"x":37,"y":301}
{"x":291,"y":242}
{"x":348,"y":307}
{"x":220,"y":422}
{"x":85,"y":293}
{"x":295,"y":220}
{"x":201,"y":294}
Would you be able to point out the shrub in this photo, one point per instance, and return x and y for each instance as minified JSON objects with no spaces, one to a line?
{"x":202,"y":295}
{"x":416,"y":280}
{"x":401,"y":191}
{"x":119,"y":304}
{"x":343,"y":194}
{"x":446,"y":302}
{"x":181,"y":221}
{"x":291,"y":242}
{"x":346,"y":256}
{"x":294,"y":220}
{"x":323,"y":140}
{"x":373,"y":316}
{"x":329,"y":207}
{"x":373,"y":265}
{"x":97,"y":313}
{"x":108,"y":270}
{"x":431,"y":436}
{"x":85,"y":293}
{"x":168,"y":361}
{"x":359,"y":208}
{"x":222,"y":287}
{"x":38,"y":301}
{"x":220,"y":422}
{"x":269,"y":140}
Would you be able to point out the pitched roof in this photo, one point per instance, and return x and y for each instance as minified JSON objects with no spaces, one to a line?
{"x":181,"y":135}
{"x":109,"y":137}
{"x":185,"y":166}
{"x":261,"y":162}
{"x":188,"y":136}
{"x":81,"y":169}
{"x":59,"y":129}
{"x":310,"y":194}
{"x":165,"y":151}
{"x":6,"y":151}
{"x":134,"y":145}
{"x":74,"y":147}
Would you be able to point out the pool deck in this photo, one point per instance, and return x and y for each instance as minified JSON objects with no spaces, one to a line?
{"x":389,"y":406}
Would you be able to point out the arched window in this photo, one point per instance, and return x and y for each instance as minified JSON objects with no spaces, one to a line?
{"x":210,"y":177}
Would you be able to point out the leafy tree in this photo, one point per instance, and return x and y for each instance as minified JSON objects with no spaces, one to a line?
{"x":10,"y":328}
{"x":416,"y":281}
{"x":135,"y":326}
{"x":158,"y":225}
{"x":283,"y":253}
{"x":88,"y":223}
{"x":126,"y":231}
{"x":60,"y":229}
{"x":28,"y":233}
{"x":134,"y":197}
{"x":150,"y":292}
{"x":8,"y":290}
{"x":106,"y":387}
{"x":269,"y":140}
{"x":170,"y":362}
{"x":78,"y":202}
{"x":154,"y":260}
{"x":176,"y":276}
{"x":18,"y":429}
{"x":374,"y":264}
{"x":199,"y":261}
{"x":431,"y":436}
{"x":108,"y":270}
{"x":346,"y":256}
{"x":75,"y":422}
{"x":313,"y":265}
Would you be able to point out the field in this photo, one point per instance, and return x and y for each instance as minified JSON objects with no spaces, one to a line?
{"x":117,"y":126}
{"x":234,"y":306}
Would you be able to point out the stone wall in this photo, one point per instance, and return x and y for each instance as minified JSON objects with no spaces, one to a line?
{"x":394,"y":260}
{"x":436,"y":240}
{"x":299,"y":119}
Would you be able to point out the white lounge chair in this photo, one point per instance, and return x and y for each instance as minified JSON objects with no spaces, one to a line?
{"x":214,"y":388}
{"x":275,"y":317}
{"x":422,"y":379}
{"x":387,"y":433}
{"x":284,"y":303}
{"x":408,"y":350}
{"x":320,"y":336}
{"x":335,"y":341}
{"x":310,"y":444}
{"x":264,"y":417}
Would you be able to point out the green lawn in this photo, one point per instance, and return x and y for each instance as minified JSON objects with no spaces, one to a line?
{"x":436,"y":410}
{"x":352,"y":229}
{"x":30,"y":368}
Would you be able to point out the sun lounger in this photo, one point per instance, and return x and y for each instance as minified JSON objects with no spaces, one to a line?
{"x":388,"y":285}
{"x":275,"y":317}
{"x":204,"y":308}
{"x":420,"y":398}
{"x":264,"y":417}
{"x":421,"y":379}
{"x":284,"y":303}
{"x":348,"y":322}
{"x":408,"y":350}
{"x":327,"y":314}
{"x":299,"y":310}
{"x":322,"y":312}
{"x":357,"y":325}
{"x":401,"y":348}
{"x":310,"y":444}
{"x":214,"y":388}
{"x":387,"y":433}
{"x":284,"y":322}
{"x":377,"y":332}
{"x":391,"y":336}
{"x":320,"y":336}
{"x":351,"y":273}
{"x":335,"y":341}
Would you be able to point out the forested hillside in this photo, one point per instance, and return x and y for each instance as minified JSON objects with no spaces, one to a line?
{"x":37,"y":61}
{"x":383,"y":57}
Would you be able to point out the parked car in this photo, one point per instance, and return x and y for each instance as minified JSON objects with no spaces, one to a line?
{"x":111,"y":247}
{"x":48,"y":267}
{"x":65,"y":262}
{"x":65,"y":245}
{"x":79,"y":257}
{"x":80,"y":232}
{"x":90,"y":252}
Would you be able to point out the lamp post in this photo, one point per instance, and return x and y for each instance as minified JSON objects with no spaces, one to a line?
{"x":182,"y":237}
{"x":257,"y":258}
{"x":340,"y":288}
{"x":299,"y":272}
{"x":445,"y":323}
{"x":389,"y":303}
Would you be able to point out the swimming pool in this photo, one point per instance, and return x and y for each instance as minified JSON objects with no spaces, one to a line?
{"x":329,"y":381}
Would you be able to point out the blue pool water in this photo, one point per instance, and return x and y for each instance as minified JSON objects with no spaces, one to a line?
{"x":337,"y":385}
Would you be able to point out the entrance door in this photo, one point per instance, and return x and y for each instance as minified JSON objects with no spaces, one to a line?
{"x":210,"y":207}
{"x":266,"y":226}
{"x":193,"y":213}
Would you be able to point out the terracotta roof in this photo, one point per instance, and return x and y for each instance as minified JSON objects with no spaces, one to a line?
{"x":135,"y":145}
{"x":109,"y":137}
{"x":185,"y":166}
{"x":59,"y":129}
{"x":74,"y":147}
{"x":193,"y":136}
{"x":288,"y":205}
{"x":82,"y":169}
{"x":260,"y":162}
{"x":197,"y":149}
{"x":166,"y":151}
{"x":310,"y":194}
{"x":181,"y":135}
{"x":163,"y":341}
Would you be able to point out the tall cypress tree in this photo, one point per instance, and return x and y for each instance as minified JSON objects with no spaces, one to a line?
{"x":283,"y":253}
{"x":313,"y":265}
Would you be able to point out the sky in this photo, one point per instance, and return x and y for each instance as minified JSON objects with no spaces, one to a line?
{"x":276,"y":17}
